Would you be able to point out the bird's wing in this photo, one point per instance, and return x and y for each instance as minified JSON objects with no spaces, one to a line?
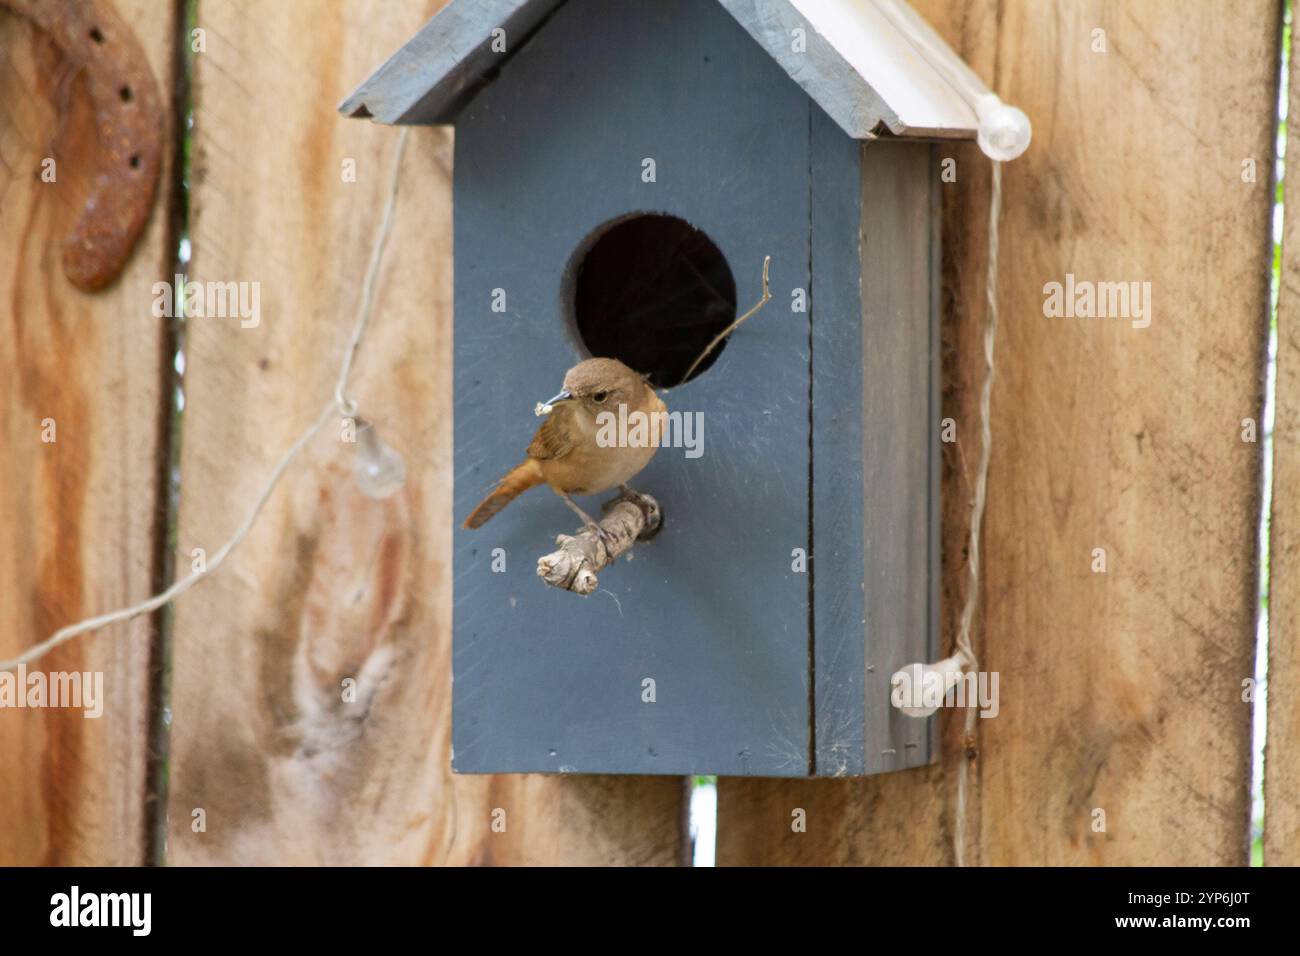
{"x":553,"y":439}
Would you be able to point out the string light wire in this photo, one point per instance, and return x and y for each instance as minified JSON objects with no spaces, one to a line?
{"x":342,"y":405}
{"x":965,"y":646}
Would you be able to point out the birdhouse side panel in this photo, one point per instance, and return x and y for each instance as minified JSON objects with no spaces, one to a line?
{"x":875,"y":465}
{"x":900,"y":433}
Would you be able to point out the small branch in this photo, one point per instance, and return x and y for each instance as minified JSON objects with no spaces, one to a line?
{"x":717,"y":339}
{"x":574,"y":563}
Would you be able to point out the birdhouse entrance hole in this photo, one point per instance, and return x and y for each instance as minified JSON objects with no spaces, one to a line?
{"x":652,"y":291}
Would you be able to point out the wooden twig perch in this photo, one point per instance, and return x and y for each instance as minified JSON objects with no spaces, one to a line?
{"x":574,"y":563}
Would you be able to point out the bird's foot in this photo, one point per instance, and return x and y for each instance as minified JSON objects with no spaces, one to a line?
{"x":649,"y":507}
{"x":627,"y":493}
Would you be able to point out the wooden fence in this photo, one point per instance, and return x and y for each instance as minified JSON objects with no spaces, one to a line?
{"x":1123,"y":690}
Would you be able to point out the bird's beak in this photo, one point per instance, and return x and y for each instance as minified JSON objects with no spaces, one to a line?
{"x":544,"y":408}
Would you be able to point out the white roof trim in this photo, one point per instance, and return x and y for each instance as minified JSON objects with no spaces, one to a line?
{"x":920,"y":99}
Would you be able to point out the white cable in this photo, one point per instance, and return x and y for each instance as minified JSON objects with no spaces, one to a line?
{"x":964,"y":645}
{"x":345,"y":406}
{"x":63,"y":635}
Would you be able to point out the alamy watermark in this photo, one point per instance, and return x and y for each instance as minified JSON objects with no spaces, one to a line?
{"x":1084,"y":299}
{"x":133,"y":911}
{"x":38,"y":689}
{"x":637,"y":429}
{"x":212,"y":299}
{"x":927,"y":688}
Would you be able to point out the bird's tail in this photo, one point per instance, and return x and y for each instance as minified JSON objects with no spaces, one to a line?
{"x":527,"y":474}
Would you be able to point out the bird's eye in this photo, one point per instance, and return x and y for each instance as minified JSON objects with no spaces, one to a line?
{"x":599,"y":397}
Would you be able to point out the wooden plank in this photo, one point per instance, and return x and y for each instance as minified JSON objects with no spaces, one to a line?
{"x":332,"y":585}
{"x":82,"y":517}
{"x":1119,"y":691}
{"x":1282,"y":754}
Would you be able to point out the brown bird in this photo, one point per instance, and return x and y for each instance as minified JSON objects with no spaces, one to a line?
{"x":565,"y":453}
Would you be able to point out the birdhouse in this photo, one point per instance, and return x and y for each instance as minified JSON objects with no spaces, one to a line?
{"x":622,"y":170}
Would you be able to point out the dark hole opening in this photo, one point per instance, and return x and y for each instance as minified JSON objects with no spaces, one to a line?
{"x":652,"y":292}
{"x":135,"y":162}
{"x":96,"y":35}
{"x":125,"y":93}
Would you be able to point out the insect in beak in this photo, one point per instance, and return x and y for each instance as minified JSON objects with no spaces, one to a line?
{"x":545,"y":408}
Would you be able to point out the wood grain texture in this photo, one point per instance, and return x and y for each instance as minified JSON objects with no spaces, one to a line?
{"x":332,"y":585}
{"x":1119,"y":691}
{"x":1282,"y":753}
{"x":79,"y":517}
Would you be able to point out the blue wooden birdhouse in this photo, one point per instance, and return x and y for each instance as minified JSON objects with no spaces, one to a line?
{"x":622,"y":170}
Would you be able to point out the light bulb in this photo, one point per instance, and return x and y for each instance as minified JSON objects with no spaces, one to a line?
{"x":381,"y":471}
{"x":1004,"y":131}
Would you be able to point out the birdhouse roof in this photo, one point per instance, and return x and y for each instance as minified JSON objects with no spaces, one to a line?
{"x":874,"y":66}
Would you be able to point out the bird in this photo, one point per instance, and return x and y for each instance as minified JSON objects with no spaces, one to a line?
{"x":565,"y":453}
